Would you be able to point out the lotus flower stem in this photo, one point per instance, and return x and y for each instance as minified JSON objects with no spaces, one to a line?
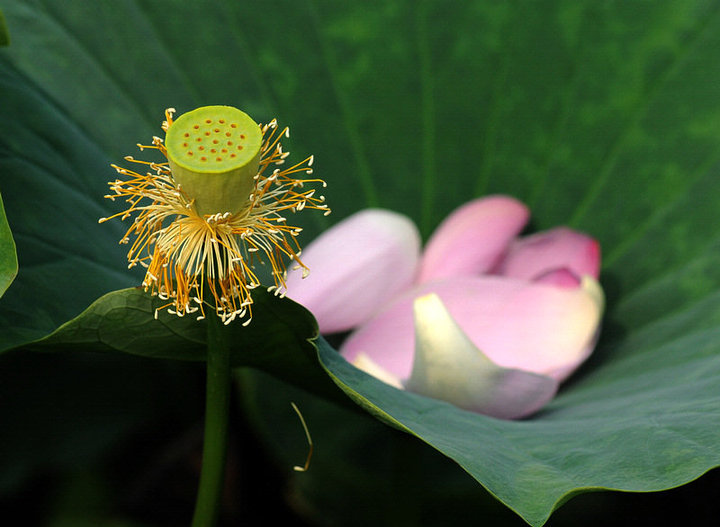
{"x":217,"y":407}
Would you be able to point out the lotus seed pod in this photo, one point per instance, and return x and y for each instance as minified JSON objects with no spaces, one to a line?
{"x":214,"y":154}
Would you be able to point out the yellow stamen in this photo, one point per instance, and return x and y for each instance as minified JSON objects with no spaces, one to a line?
{"x":185,"y":251}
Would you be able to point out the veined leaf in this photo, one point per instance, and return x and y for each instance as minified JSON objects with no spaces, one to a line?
{"x":279,"y":339}
{"x":603,"y":116}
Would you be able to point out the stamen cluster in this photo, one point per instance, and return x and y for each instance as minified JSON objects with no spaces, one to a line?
{"x":194,"y":258}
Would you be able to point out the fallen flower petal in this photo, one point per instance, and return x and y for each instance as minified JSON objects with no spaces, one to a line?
{"x":357,"y":266}
{"x":534,"y":255}
{"x":473,"y":238}
{"x":510,"y":320}
{"x":448,"y":366}
{"x":562,"y":277}
{"x":534,"y":327}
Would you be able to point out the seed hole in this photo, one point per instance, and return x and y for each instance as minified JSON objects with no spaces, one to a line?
{"x":222,"y":121}
{"x":190,"y":153}
{"x":233,"y":125}
{"x":215,"y":141}
{"x":207,"y":133}
{"x":230,"y":143}
{"x":186,"y":135}
{"x":198,"y":139}
{"x":201,"y":147}
{"x":218,"y":159}
{"x":224,"y":150}
{"x":240,"y":147}
{"x":233,"y":155}
{"x":228,"y":134}
{"x":208,"y":121}
{"x":242,"y":136}
{"x":203,"y":158}
{"x":185,"y":145}
{"x":213,"y":150}
{"x":217,"y":130}
{"x":196,"y":126}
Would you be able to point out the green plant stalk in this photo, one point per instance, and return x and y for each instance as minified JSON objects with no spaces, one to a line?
{"x":217,"y":408}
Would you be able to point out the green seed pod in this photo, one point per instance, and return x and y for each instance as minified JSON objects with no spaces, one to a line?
{"x":214,"y":153}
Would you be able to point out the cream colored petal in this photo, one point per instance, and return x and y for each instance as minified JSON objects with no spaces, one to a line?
{"x":366,"y":364}
{"x":448,"y":366}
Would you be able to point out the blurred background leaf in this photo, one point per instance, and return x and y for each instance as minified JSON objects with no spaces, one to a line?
{"x":8,"y":256}
{"x":4,"y":36}
{"x":604,"y":116}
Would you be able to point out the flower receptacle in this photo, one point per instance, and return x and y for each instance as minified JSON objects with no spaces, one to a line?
{"x":214,"y":155}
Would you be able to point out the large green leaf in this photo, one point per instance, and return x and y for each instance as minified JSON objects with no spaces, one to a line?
{"x":605,"y":116}
{"x":8,"y":256}
{"x":279,"y":339}
{"x":629,"y":425}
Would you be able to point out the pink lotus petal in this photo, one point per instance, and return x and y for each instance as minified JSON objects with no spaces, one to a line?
{"x":560,"y":247}
{"x":562,"y":277}
{"x":449,"y":367}
{"x":517,"y":324}
{"x":473,"y":239}
{"x":355,"y":267}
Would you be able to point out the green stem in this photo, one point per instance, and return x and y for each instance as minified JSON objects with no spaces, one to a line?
{"x":217,"y":408}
